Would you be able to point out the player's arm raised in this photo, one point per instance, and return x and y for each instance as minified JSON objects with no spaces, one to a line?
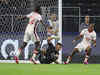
{"x":25,"y":16}
{"x":21,"y":16}
{"x":77,"y":38}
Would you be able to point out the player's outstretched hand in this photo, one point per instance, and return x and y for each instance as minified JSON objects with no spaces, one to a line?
{"x":94,"y":45}
{"x":73,"y":41}
{"x":20,"y":17}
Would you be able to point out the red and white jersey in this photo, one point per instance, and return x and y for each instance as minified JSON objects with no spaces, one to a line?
{"x":88,"y":37}
{"x":33,"y":18}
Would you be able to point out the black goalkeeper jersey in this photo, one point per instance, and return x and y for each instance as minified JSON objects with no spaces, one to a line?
{"x":51,"y":53}
{"x":51,"y":49}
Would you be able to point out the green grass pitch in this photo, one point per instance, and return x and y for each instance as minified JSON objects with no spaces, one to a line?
{"x":49,"y":69}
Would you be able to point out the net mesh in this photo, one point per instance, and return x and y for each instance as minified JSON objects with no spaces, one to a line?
{"x":71,"y":19}
{"x":13,"y":28}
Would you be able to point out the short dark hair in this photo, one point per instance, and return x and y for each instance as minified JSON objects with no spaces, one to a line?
{"x":37,"y":9}
{"x":50,"y":27}
{"x":59,"y":44}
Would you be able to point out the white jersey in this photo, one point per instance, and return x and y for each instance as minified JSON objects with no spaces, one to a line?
{"x":30,"y":32}
{"x":33,"y":18}
{"x":88,"y":37}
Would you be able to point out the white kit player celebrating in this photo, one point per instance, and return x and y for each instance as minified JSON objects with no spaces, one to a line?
{"x":89,"y":39}
{"x":30,"y":32}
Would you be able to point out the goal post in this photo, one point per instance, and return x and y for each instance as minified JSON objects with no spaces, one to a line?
{"x":60,"y":26}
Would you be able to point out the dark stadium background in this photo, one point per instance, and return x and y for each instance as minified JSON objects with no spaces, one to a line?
{"x":70,"y":25}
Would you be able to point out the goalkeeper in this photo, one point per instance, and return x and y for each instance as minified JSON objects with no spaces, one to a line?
{"x":52,"y":52}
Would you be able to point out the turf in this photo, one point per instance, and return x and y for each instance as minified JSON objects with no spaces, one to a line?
{"x":52,"y":69}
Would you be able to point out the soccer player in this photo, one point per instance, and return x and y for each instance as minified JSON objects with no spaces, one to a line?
{"x":30,"y":32}
{"x":85,"y":24}
{"x":89,"y":39}
{"x":51,"y":37}
{"x":52,"y":52}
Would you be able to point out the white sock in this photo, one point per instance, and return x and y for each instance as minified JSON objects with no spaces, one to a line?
{"x":34,"y":55}
{"x":86,"y":59}
{"x":68,"y":60}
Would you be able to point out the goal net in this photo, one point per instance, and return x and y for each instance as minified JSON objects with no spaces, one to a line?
{"x":12,"y":29}
{"x":71,"y":19}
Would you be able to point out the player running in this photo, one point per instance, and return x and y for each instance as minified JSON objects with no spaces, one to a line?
{"x":30,"y":32}
{"x":89,"y":38}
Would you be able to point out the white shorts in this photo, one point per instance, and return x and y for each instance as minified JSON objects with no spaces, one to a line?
{"x":81,"y":46}
{"x":30,"y":36}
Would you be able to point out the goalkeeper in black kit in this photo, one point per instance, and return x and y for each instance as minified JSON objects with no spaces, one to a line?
{"x":52,"y":52}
